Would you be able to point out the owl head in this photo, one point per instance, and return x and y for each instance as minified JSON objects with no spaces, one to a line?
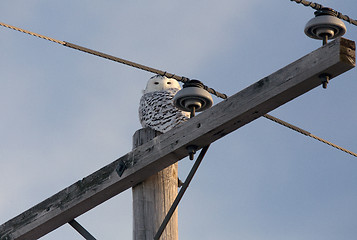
{"x":161,"y":83}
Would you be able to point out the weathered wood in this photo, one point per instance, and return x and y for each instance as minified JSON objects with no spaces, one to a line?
{"x":247,"y":105}
{"x":153,"y":198}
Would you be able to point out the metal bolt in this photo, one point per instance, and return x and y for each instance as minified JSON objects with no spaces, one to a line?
{"x":191,"y":151}
{"x":325,"y":78}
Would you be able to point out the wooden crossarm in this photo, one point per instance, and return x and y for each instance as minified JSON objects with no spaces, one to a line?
{"x":245,"y":106}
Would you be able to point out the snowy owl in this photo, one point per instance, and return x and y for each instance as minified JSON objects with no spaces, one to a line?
{"x":157,"y":110}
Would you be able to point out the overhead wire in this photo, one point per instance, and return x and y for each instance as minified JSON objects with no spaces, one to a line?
{"x":317,"y":6}
{"x":116,"y":59}
{"x":306,"y":133}
{"x":179,"y":78}
{"x":31,"y":33}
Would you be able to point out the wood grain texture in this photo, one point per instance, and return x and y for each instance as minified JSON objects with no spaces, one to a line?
{"x":162,"y":151}
{"x":153,"y":198}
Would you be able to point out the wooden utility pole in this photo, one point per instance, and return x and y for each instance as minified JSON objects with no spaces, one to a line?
{"x":153,"y":198}
{"x":164,"y":150}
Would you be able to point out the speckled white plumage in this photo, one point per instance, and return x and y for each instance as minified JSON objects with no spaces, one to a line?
{"x":157,"y":110}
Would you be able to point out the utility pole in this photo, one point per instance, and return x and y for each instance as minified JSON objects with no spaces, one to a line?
{"x":131,"y":169}
{"x":153,"y":197}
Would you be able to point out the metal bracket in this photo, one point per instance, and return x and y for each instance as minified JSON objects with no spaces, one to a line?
{"x":122,"y":166}
{"x":181,"y":192}
{"x":81,"y":230}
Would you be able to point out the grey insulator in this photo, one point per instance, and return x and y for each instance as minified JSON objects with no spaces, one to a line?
{"x":193,"y":96}
{"x":325,"y":25}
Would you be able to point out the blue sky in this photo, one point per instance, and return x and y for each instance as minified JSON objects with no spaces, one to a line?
{"x":65,"y":114}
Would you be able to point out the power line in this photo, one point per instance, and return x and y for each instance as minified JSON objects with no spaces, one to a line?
{"x":178,"y":78}
{"x":317,"y":6}
{"x":115,"y":59}
{"x":31,"y":33}
{"x":306,"y":133}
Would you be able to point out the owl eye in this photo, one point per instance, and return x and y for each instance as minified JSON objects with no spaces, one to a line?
{"x":168,"y":82}
{"x":156,"y":83}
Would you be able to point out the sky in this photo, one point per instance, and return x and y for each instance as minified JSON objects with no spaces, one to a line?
{"x":64,"y":114}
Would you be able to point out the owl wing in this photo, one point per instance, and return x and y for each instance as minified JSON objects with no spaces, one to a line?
{"x":158,"y":112}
